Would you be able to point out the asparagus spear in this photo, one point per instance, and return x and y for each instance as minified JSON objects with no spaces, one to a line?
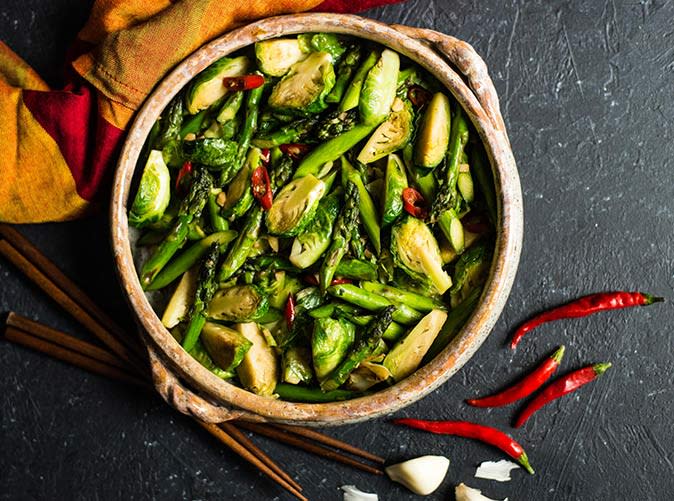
{"x":362,"y":349}
{"x":352,"y":94}
{"x":295,"y":393}
{"x":374,"y":302}
{"x":206,"y":287}
{"x":289,"y":133}
{"x":218,"y":223}
{"x":368,"y":212}
{"x":239,"y":252}
{"x":341,"y":235}
{"x":336,"y":123}
{"x":416,"y":301}
{"x":190,"y":209}
{"x":346,"y":68}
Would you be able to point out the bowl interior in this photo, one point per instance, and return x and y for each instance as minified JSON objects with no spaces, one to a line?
{"x":428,"y":377}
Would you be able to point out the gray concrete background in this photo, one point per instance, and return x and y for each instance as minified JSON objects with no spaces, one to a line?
{"x":586,"y":90}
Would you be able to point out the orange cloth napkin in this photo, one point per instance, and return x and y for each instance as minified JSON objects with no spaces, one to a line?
{"x":58,"y":147}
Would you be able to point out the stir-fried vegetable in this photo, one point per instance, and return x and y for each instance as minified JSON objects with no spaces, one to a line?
{"x":341,"y":218}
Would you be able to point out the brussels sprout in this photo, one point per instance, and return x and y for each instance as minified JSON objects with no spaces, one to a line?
{"x":199,"y":353}
{"x":313,"y":242}
{"x":433,"y":137}
{"x":330,"y":342}
{"x":211,"y":152}
{"x":154,"y":192}
{"x":179,"y":305}
{"x":294,"y":206}
{"x":239,"y":196}
{"x":208,"y":86}
{"x":238,"y":304}
{"x":296,"y":365}
{"x":225,"y":346}
{"x":322,"y":42}
{"x":356,"y":269}
{"x":281,"y":287}
{"x":393,"y":134}
{"x":379,"y":89}
{"x":407,"y":354}
{"x":230,"y":108}
{"x":367,"y":375}
{"x":275,"y":57}
{"x":259,"y":368}
{"x":396,"y":182}
{"x":305,"y":86}
{"x":470,"y":273}
{"x":416,"y":252}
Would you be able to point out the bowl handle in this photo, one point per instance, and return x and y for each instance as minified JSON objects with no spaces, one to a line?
{"x":464,"y":58}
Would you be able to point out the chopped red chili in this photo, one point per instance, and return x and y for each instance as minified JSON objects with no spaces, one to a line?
{"x":290,"y":311}
{"x":418,"y":95}
{"x":312,"y":280}
{"x":526,"y":386}
{"x":465,"y":429}
{"x":584,"y":306}
{"x":265,"y":155}
{"x":560,"y":387}
{"x":183,"y":177}
{"x":245,"y":82}
{"x":414,"y":203}
{"x":261,"y":186}
{"x":295,"y":150}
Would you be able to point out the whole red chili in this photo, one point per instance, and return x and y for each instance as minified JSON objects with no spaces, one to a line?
{"x":465,"y":429}
{"x":261,"y":186}
{"x":414,"y":203}
{"x":183,"y":174}
{"x":584,"y":306}
{"x":245,"y":82}
{"x":312,"y":280}
{"x":418,"y":95}
{"x":290,"y":311}
{"x":560,"y":387}
{"x":295,"y":150}
{"x":526,"y":386}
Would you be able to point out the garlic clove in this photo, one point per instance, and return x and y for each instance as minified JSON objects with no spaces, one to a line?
{"x":421,"y":475}
{"x":465,"y":493}
{"x":353,"y":493}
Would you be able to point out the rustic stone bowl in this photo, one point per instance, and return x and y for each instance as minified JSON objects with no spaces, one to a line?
{"x":192,"y":389}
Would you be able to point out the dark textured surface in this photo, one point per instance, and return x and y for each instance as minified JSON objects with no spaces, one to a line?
{"x":586,"y":90}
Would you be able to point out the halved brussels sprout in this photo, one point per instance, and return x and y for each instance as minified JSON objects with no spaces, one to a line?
{"x":179,"y":305}
{"x":238,"y":304}
{"x":200,"y":354}
{"x":259,"y":368}
{"x":315,"y":240}
{"x":295,"y":206}
{"x":395,"y":183}
{"x":305,"y":86}
{"x":470,"y":273}
{"x":322,"y":42}
{"x":393,"y":134}
{"x":208,"y":86}
{"x":379,"y":89}
{"x":416,"y":252}
{"x":154,"y":192}
{"x":297,"y":365}
{"x":433,"y":136}
{"x":226,"y":346}
{"x":330,"y":342}
{"x":275,"y":57}
{"x":368,"y":374}
{"x":239,"y":196}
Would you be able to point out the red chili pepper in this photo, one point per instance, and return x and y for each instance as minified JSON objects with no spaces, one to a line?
{"x":261,"y":185}
{"x":181,"y":179}
{"x":584,"y":306}
{"x":312,"y":280}
{"x":526,"y":386}
{"x":290,"y":311}
{"x":245,"y":82}
{"x":295,"y":150}
{"x":560,"y":387}
{"x":418,"y":95}
{"x":265,"y":155}
{"x":465,"y":429}
{"x":414,"y":203}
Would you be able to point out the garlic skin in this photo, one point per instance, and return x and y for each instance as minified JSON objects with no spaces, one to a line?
{"x":465,"y":493}
{"x":421,"y":475}
{"x":353,"y":493}
{"x":496,"y":470}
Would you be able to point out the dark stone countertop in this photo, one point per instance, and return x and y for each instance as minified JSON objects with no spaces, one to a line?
{"x":586,"y":90}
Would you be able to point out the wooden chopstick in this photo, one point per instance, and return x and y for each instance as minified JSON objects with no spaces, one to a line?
{"x":332,"y":442}
{"x":291,"y":439}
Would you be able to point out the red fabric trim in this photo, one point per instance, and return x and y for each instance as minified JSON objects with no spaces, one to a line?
{"x":350,"y":6}
{"x":87,"y":142}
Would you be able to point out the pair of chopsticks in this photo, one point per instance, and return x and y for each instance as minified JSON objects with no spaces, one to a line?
{"x":126,"y":362}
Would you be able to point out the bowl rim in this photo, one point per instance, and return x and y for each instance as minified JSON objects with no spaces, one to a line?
{"x":428,"y":377}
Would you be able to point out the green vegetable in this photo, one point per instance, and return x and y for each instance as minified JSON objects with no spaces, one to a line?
{"x":239,"y":303}
{"x":332,"y":150}
{"x":406,"y":355}
{"x":363,"y":348}
{"x":212,"y":152}
{"x":225,"y":346}
{"x":392,"y":135}
{"x":396,"y":182}
{"x":426,"y":182}
{"x":296,"y":365}
{"x":347,"y":67}
{"x":218,"y":223}
{"x":305,"y":86}
{"x":205,"y":290}
{"x":433,"y":135}
{"x":322,"y":42}
{"x":330,"y":342}
{"x":295,"y":393}
{"x":170,"y":123}
{"x":178,"y":306}
{"x":451,"y":226}
{"x":335,"y":124}
{"x":200,"y":354}
{"x":275,"y":57}
{"x":249,"y":128}
{"x":244,"y":243}
{"x":230,"y":108}
{"x":368,"y":213}
{"x":192,"y":125}
{"x":239,"y":198}
{"x":154,"y":192}
{"x":398,"y":295}
{"x":379,"y":89}
{"x":470,"y":273}
{"x":352,"y":95}
{"x":374,"y":302}
{"x":464,"y":183}
{"x":294,"y":206}
{"x":356,"y":269}
{"x":283,"y":285}
{"x":258,"y":369}
{"x":293,"y":132}
{"x":309,"y":245}
{"x":208,"y":86}
{"x":189,"y":257}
